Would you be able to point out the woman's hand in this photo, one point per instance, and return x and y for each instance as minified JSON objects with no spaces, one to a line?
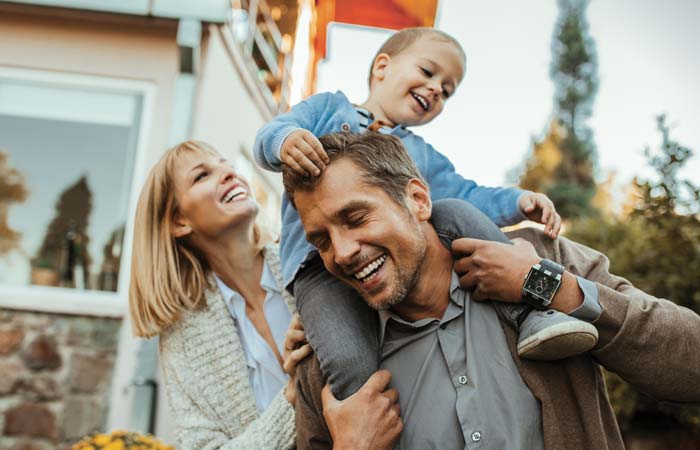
{"x":296,"y":348}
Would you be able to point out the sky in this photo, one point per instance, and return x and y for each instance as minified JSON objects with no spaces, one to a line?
{"x":648,"y":63}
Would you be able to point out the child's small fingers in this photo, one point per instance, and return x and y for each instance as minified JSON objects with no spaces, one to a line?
{"x":308,"y":165}
{"x":557,"y":225}
{"x":295,"y":166}
{"x":546,"y":216}
{"x":317,"y":147}
{"x":311,"y":154}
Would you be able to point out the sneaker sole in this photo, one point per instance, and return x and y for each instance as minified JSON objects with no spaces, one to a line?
{"x":559,"y":341}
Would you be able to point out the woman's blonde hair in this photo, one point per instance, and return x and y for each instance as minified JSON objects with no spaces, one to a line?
{"x":168,"y":276}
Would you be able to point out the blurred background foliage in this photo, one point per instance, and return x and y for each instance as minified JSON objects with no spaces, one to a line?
{"x":652,"y":239}
{"x":655,"y":245}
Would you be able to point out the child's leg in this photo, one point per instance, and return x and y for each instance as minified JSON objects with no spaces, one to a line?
{"x":543,"y":335}
{"x":341,"y":328}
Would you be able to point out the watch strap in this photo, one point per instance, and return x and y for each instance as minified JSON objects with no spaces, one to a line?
{"x":548,"y":264}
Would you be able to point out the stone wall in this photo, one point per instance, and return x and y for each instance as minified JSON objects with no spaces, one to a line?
{"x":55,"y":374}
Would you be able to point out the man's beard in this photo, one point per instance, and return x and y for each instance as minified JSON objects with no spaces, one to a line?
{"x":405,"y":279}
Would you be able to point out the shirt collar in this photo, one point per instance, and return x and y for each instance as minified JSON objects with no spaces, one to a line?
{"x":267,"y":282}
{"x":456,"y":307}
{"x":378,"y":125}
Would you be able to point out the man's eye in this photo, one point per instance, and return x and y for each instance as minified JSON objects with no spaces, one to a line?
{"x":321,"y":244}
{"x":446,"y":94}
{"x":356,"y":221}
{"x":426,"y":72}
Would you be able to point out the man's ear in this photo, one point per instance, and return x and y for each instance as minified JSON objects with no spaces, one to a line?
{"x":179,"y":227}
{"x":379,"y":67}
{"x":419,"y":199}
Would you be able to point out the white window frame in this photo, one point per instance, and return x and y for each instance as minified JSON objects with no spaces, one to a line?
{"x":74,"y":301}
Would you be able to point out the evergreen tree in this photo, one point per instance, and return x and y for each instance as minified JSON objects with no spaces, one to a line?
{"x":70,"y":222}
{"x":570,"y":183}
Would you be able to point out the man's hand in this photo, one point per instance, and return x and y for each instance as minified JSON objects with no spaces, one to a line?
{"x":367,"y":420}
{"x":304,"y":153}
{"x":539,"y":208}
{"x":494,"y":271}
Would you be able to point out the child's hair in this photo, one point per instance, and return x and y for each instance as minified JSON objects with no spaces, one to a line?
{"x":403,"y":39}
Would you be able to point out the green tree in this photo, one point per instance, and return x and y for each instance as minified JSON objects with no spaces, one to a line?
{"x":657,"y":247}
{"x":12,"y":190}
{"x":570,"y":183}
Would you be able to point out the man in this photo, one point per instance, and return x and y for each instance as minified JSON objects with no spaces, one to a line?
{"x":452,"y":358}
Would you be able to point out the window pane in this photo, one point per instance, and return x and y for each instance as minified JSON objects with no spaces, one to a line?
{"x":66,"y":155}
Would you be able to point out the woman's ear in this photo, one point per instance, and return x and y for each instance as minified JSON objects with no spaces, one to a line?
{"x":179,"y":227}
{"x":379,"y":67}
{"x":419,"y":199}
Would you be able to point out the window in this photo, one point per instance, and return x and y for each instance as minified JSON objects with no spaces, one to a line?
{"x":68,"y":148}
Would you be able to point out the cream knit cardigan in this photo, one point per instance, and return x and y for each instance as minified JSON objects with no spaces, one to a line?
{"x":206,"y":380}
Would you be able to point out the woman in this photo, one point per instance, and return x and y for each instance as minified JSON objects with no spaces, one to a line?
{"x":207,"y":281}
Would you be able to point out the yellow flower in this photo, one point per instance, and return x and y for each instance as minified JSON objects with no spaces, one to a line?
{"x":115,"y":445}
{"x":101,"y":439}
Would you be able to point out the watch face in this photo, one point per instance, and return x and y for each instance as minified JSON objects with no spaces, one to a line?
{"x":541,"y":285}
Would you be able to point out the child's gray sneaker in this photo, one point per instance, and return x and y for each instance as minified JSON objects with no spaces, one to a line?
{"x":551,"y":335}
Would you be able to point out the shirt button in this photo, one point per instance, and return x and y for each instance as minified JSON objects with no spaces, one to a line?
{"x":476,"y":436}
{"x":462,"y":380}
{"x":345,"y":127}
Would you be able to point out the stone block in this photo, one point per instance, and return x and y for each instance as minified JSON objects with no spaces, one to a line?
{"x":42,"y":354}
{"x":88,"y":374}
{"x":30,"y":419}
{"x":10,"y":340}
{"x":81,"y":417}
{"x":11,"y":373}
{"x":29,"y":444}
{"x":79,"y":331}
{"x":42,"y":386}
{"x":106,"y":334}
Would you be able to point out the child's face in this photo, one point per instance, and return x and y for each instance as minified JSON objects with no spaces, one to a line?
{"x":411,"y":87}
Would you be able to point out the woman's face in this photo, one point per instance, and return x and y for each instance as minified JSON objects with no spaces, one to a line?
{"x":211,"y":196}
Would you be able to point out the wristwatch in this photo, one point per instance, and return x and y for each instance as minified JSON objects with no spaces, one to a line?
{"x":542,"y":283}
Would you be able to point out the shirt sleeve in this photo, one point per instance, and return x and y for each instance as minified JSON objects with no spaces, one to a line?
{"x":498,"y":203}
{"x":269,"y":139}
{"x":590,"y":309}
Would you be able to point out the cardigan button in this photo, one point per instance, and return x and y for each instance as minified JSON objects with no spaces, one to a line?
{"x":345,"y":127}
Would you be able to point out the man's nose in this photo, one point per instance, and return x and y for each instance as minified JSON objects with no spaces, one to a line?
{"x":345,"y":249}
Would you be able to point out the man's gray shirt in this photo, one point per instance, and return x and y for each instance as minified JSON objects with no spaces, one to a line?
{"x":458,"y":384}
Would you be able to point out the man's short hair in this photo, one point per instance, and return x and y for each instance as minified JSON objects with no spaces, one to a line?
{"x":403,"y":39}
{"x":382,"y":159}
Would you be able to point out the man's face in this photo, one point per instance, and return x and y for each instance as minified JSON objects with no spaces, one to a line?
{"x":364,"y":237}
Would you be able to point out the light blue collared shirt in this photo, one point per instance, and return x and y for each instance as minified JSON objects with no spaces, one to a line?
{"x":264,"y":372}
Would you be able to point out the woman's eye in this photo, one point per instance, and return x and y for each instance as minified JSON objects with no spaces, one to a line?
{"x":426,"y":72}
{"x":200,"y":176}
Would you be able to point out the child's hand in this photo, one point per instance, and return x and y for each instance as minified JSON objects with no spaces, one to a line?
{"x":303,"y":153}
{"x":539,"y":208}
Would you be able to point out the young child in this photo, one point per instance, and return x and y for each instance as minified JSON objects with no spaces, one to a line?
{"x":411,"y":78}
